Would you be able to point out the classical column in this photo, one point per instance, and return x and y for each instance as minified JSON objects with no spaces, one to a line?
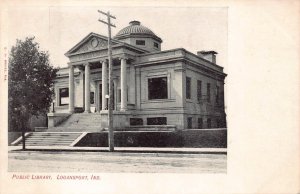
{"x":138,"y":88}
{"x":81,"y":68}
{"x":87,"y":88}
{"x":71,"y":89}
{"x":104,"y":84}
{"x":96,"y":99}
{"x":123,"y":85}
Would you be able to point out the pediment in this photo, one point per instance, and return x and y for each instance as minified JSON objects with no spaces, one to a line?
{"x":91,"y":42}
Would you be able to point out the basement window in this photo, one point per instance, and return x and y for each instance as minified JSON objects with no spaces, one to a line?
{"x":157,"y":88}
{"x":136,"y":121}
{"x":157,"y":121}
{"x":63,"y":96}
{"x":140,"y":42}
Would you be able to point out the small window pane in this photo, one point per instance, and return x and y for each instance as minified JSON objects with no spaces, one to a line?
{"x":140,"y":42}
{"x":155,"y":45}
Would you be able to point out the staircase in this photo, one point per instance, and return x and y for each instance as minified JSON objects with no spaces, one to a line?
{"x":68,"y":133}
{"x":50,"y":139}
{"x":80,"y":122}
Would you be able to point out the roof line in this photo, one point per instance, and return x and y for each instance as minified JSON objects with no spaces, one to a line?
{"x":104,"y":37}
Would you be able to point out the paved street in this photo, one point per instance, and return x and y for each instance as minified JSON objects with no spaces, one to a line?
{"x":75,"y":161}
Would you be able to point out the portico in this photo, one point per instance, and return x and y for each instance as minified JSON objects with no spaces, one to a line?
{"x":103,"y":80}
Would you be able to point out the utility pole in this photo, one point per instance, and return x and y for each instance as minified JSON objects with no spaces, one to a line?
{"x":110,"y":81}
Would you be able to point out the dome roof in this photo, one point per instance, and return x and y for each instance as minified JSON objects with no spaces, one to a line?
{"x":135,"y":28}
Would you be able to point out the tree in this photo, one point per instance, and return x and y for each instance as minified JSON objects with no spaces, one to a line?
{"x":30,"y":84}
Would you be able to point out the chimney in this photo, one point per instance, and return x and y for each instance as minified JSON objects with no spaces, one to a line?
{"x":208,"y":55}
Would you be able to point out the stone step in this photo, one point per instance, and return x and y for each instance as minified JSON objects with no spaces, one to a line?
{"x":70,"y":141}
{"x":60,"y":144}
{"x":48,"y":140}
{"x":51,"y":138}
{"x":76,"y":129}
{"x":53,"y":135}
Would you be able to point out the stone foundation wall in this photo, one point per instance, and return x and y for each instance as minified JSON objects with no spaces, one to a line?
{"x":209,"y":138}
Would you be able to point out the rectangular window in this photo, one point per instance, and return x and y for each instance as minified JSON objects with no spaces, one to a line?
{"x":92,"y":97}
{"x":188,"y":88}
{"x":63,"y":96}
{"x":155,"y":44}
{"x":136,"y":121}
{"x":199,"y":88}
{"x":217,"y":94}
{"x":190,"y":122}
{"x":208,"y":123}
{"x":157,"y":121}
{"x":158,"y":88}
{"x":140,"y":42}
{"x":200,"y":123}
{"x":208,"y":92}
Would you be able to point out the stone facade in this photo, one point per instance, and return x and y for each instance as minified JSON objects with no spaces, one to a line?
{"x":173,"y":88}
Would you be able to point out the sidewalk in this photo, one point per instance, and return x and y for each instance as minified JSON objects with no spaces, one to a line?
{"x":122,"y":149}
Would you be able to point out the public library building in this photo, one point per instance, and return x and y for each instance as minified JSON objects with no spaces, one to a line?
{"x":152,"y":89}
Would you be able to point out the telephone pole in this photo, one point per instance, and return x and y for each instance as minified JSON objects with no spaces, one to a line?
{"x":110,"y":81}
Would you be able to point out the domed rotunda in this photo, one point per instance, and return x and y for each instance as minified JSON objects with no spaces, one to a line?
{"x":139,"y":36}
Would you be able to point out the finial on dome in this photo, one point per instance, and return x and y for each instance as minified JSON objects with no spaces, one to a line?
{"x":132,"y":23}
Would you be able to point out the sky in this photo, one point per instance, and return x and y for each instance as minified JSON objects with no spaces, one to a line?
{"x":59,"y":28}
